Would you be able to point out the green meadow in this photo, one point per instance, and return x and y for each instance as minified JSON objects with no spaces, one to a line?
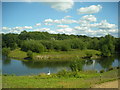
{"x":62,"y":79}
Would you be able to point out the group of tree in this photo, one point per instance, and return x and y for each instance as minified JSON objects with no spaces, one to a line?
{"x":43,"y":41}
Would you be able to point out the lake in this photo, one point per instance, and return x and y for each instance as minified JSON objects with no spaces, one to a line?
{"x":17,"y":67}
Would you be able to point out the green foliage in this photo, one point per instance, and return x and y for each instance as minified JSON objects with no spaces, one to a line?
{"x":32,"y":45}
{"x":93,"y":44}
{"x":117,"y":45}
{"x":78,"y":44}
{"x":6,"y":51}
{"x":48,"y":44}
{"x":43,"y":41}
{"x":76,"y":66}
{"x":107,"y":45}
{"x":105,"y":51}
{"x":10,"y":40}
{"x":102,"y":71}
{"x":62,"y":73}
{"x":30,"y":54}
{"x":65,"y":46}
{"x":110,"y":68}
{"x":88,"y":55}
{"x":34,"y":36}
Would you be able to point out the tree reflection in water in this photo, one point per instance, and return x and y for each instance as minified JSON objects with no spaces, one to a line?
{"x":6,"y":60}
{"x":42,"y":64}
{"x":106,"y":62}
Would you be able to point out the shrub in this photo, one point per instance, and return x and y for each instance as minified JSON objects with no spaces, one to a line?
{"x":5,"y":51}
{"x":30,"y":54}
{"x":48,"y":44}
{"x":110,"y":68}
{"x":102,"y":71}
{"x":78,"y":44}
{"x":118,"y":67}
{"x":57,"y":46}
{"x":75,"y":74}
{"x":62,"y":73}
{"x":76,"y":66}
{"x":65,"y":47}
{"x":32,"y":45}
{"x":88,"y":55}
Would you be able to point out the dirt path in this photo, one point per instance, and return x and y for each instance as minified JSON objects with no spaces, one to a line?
{"x":112,"y":84}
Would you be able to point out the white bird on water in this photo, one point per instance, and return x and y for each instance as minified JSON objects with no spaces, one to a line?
{"x":48,"y":73}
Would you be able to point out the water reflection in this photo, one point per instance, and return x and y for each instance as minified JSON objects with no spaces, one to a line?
{"x":106,"y":62}
{"x":6,"y":60}
{"x":11,"y":66}
{"x":32,"y":64}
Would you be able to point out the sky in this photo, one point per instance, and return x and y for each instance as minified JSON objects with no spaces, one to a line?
{"x":78,"y":18}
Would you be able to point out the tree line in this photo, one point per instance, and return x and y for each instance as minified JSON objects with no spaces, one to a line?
{"x":43,"y":41}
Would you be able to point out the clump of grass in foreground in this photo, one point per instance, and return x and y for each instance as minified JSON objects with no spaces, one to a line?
{"x":86,"y":80}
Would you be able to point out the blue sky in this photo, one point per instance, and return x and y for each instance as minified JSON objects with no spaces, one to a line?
{"x":82,"y":18}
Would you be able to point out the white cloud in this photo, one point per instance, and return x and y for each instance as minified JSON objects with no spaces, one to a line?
{"x":57,"y":21}
{"x":64,"y":20}
{"x":89,"y":10}
{"x":48,"y":20}
{"x":45,"y":29}
{"x":89,"y":18}
{"x":6,"y":28}
{"x":113,"y":31}
{"x":27,"y":27}
{"x":67,"y":16}
{"x":52,"y":32}
{"x":81,"y":28}
{"x":62,"y":26}
{"x":48,"y":24}
{"x":38,"y":24}
{"x":17,"y":28}
{"x":105,"y":25}
{"x":66,"y":31}
{"x":62,"y":5}
{"x":68,"y":21}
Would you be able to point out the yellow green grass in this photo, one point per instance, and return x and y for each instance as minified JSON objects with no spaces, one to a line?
{"x":83,"y":80}
{"x":78,"y":54}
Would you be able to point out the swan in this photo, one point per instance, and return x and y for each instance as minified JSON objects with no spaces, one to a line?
{"x":48,"y":73}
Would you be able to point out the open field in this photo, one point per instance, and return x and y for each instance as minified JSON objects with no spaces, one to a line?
{"x":86,"y":79}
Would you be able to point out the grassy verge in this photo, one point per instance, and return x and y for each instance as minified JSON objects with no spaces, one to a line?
{"x":55,"y":55}
{"x":82,"y":80}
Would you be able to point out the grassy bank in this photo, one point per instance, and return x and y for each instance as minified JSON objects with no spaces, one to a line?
{"x":69,"y":80}
{"x":55,"y":55}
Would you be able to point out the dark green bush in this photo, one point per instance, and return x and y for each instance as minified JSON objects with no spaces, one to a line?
{"x":5,"y":51}
{"x":89,"y":55}
{"x":30,"y":54}
{"x":76,"y":66}
{"x":33,"y":45}
{"x":65,"y":47}
{"x":102,"y":71}
{"x":110,"y":68}
{"x":118,"y":67}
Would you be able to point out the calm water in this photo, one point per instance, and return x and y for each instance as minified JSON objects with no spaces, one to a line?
{"x":17,"y":67}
